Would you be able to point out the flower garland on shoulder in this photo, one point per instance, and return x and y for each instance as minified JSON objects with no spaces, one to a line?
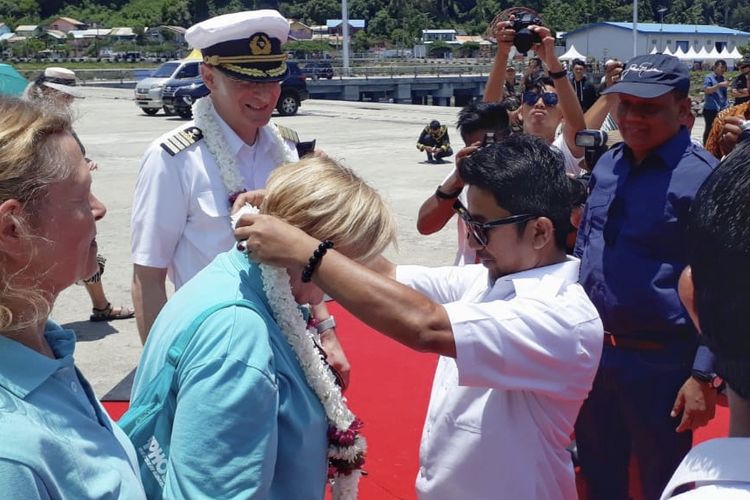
{"x":205,"y":119}
{"x":346,"y":447}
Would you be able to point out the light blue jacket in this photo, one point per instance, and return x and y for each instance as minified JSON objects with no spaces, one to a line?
{"x":247,"y":425}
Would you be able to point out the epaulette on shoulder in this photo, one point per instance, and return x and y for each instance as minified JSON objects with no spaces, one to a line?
{"x":181,"y":140}
{"x":288,"y":134}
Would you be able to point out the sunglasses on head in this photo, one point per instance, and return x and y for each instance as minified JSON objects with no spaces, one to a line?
{"x":548,"y":98}
{"x":479,"y":230}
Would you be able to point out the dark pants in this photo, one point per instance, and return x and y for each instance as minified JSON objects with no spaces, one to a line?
{"x":709,"y":115}
{"x":439,"y":155}
{"x":627,"y":413}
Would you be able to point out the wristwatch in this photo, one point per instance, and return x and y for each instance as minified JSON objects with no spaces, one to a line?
{"x":326,"y":324}
{"x":447,"y":196}
{"x":708,"y":378}
{"x":556,"y":75}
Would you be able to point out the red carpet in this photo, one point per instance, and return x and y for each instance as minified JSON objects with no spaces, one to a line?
{"x":390,"y":388}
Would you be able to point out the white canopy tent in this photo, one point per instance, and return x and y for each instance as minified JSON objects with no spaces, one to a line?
{"x":691,"y":54}
{"x":713,"y":54}
{"x":666,"y":51}
{"x":654,"y":50}
{"x":735,"y":54}
{"x":679,"y":54}
{"x":702,"y":54}
{"x":571,"y":54}
{"x":724,"y":53}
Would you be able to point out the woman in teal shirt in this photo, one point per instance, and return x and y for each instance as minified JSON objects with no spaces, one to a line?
{"x":57,"y":441}
{"x":248,"y":423}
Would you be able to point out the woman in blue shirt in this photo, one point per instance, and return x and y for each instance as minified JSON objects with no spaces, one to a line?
{"x":57,"y":441}
{"x":248,"y":421}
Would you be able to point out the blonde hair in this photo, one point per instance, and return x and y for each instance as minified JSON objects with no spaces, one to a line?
{"x":330,"y":202}
{"x":30,"y":160}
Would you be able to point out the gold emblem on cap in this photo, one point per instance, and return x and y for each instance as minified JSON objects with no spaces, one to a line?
{"x":260,"y":45}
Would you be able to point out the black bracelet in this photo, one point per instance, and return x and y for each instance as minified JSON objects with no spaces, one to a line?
{"x":447,"y":196}
{"x":317,"y":256}
{"x":558,"y":74}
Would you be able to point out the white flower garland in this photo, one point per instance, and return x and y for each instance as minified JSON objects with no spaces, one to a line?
{"x":205,"y":119}
{"x":277,"y":287}
{"x":278,"y":291}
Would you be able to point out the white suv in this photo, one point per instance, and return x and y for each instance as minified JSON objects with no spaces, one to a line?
{"x":148,"y":90}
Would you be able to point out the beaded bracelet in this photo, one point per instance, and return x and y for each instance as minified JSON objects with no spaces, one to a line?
{"x":317,"y":256}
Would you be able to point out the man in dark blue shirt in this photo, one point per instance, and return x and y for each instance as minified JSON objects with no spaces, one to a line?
{"x":715,"y":94}
{"x":632,"y":245}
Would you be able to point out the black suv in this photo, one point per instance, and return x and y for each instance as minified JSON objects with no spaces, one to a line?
{"x":318,"y":69}
{"x":179,"y":96}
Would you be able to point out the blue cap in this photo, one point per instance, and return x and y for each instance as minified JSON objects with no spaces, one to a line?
{"x":651,"y":76}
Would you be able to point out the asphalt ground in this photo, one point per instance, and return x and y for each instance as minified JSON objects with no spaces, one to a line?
{"x":377,"y":140}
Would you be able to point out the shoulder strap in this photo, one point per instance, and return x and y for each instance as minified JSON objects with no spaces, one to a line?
{"x":178,"y":346}
{"x":288,"y":134}
{"x":181,"y":140}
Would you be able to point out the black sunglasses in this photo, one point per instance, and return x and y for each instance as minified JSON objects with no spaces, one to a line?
{"x":548,"y":98}
{"x":479,"y":230}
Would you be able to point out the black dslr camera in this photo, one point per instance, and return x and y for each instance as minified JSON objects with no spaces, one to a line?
{"x":525,"y":38}
{"x":594,"y":144}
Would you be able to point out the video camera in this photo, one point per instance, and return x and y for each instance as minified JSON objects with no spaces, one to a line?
{"x":525,"y":38}
{"x":594,"y":144}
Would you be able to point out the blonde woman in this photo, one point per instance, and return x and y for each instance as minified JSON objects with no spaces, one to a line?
{"x":57,"y":441}
{"x":249,"y":421}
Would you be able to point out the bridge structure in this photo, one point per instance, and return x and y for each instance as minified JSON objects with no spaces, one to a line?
{"x":438,"y":90}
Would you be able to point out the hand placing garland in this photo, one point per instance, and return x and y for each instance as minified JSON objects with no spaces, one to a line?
{"x":346,"y":447}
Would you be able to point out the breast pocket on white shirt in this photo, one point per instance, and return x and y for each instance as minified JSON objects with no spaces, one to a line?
{"x":209,"y":207}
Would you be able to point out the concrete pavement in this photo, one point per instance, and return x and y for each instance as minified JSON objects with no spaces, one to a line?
{"x":376,"y":140}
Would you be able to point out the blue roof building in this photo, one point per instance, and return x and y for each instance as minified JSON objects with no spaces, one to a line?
{"x":608,"y":40}
{"x":335,"y":26}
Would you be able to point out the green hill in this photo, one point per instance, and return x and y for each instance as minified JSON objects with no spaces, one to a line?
{"x":393,"y":22}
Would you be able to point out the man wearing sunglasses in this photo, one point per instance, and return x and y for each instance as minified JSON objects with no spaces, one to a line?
{"x":519,"y":340}
{"x":547,"y":101}
{"x":645,"y":401}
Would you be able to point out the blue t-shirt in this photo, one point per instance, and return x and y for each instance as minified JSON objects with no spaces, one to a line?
{"x":631,"y":239}
{"x":717,"y":100}
{"x":247,"y":424}
{"x":56,"y":441}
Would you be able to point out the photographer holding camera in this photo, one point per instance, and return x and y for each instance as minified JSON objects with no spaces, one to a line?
{"x":549,"y":100}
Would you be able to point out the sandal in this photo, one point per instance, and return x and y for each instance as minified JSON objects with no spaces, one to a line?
{"x":108,"y":313}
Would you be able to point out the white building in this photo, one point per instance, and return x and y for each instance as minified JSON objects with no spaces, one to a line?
{"x":609,"y":39}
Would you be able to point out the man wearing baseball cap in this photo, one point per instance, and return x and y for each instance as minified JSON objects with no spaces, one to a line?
{"x":190,"y":177}
{"x":654,"y":385}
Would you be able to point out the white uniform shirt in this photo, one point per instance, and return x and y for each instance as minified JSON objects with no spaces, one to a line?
{"x":180,"y":218}
{"x":572,"y":164}
{"x":502,"y":413}
{"x":719,"y":469}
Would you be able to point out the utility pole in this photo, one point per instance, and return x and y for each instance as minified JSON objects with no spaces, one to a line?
{"x":635,"y":28}
{"x":345,"y":34}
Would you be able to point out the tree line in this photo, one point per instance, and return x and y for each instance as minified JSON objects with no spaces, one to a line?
{"x":392,"y":23}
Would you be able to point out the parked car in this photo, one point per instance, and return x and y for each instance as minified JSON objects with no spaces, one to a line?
{"x":319,"y":69}
{"x":148,"y":91}
{"x":179,"y":95}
